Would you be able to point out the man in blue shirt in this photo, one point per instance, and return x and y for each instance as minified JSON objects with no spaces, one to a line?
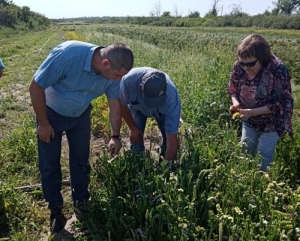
{"x":147,"y":92}
{"x":73,"y":74}
{"x":2,"y":67}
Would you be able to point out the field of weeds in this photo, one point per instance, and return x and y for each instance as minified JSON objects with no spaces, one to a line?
{"x":217,"y":193}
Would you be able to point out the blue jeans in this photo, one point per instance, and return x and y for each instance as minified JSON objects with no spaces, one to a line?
{"x":263,"y":143}
{"x":140,"y":120}
{"x":77,"y":131}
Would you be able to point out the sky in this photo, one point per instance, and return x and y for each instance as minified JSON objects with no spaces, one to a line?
{"x":55,"y":9}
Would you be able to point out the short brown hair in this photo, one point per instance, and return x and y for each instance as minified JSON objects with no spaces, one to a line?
{"x":120,"y":56}
{"x":254,"y":45}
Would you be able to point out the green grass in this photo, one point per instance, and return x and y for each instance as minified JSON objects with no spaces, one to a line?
{"x":217,"y":194}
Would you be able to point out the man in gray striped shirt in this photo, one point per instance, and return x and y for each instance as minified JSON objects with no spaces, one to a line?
{"x":150,"y":93}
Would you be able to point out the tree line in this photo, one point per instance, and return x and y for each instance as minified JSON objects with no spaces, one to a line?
{"x":15,"y":17}
{"x":286,"y":7}
{"x":284,"y":15}
{"x":269,"y":21}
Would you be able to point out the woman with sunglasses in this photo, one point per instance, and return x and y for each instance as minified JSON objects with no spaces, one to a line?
{"x":260,"y":90}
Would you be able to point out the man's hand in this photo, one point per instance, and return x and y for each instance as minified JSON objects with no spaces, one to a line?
{"x":114,"y":146}
{"x":135,"y":135}
{"x":45,"y":132}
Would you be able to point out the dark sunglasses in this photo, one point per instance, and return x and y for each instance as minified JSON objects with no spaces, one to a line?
{"x":249,"y":64}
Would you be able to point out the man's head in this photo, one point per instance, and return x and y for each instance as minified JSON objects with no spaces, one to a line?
{"x":154,"y":87}
{"x":115,"y":61}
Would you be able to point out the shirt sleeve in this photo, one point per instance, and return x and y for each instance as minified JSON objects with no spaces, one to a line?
{"x":172,"y":116}
{"x":129,"y":83}
{"x":124,"y":95}
{"x":51,"y":70}
{"x":113,"y":90}
{"x":281,"y":92}
{"x":1,"y":64}
{"x":232,"y":88}
{"x":282,"y":101}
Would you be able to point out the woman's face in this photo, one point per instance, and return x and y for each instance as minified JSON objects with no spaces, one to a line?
{"x":251,"y":65}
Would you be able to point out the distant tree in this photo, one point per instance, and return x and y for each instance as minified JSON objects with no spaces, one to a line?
{"x":286,"y":7}
{"x":13,"y":16}
{"x":214,"y":11}
{"x":267,"y":13}
{"x":176,"y":12}
{"x":237,"y":11}
{"x":8,"y":17}
{"x":275,"y":11}
{"x":26,"y":13}
{"x":156,"y":9}
{"x":4,"y":3}
{"x":195,"y":14}
{"x":166,"y":14}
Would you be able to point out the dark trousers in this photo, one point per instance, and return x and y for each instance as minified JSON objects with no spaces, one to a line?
{"x":77,"y":131}
{"x":140,"y":120}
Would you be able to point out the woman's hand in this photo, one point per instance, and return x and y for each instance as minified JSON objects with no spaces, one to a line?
{"x":235,"y":105}
{"x":234,"y":108}
{"x":246,"y":114}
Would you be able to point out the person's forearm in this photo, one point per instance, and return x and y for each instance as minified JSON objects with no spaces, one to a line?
{"x":172,"y":146}
{"x":260,"y":111}
{"x":126,"y":114}
{"x":38,"y":100}
{"x":234,"y":100}
{"x":115,"y":122}
{"x":115,"y":117}
{"x":171,"y":152}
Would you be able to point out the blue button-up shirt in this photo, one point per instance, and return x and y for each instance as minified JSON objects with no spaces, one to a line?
{"x":131,"y":95}
{"x":69,"y":80}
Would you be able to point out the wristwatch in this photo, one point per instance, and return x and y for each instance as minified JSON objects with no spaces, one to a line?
{"x":116,"y":137}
